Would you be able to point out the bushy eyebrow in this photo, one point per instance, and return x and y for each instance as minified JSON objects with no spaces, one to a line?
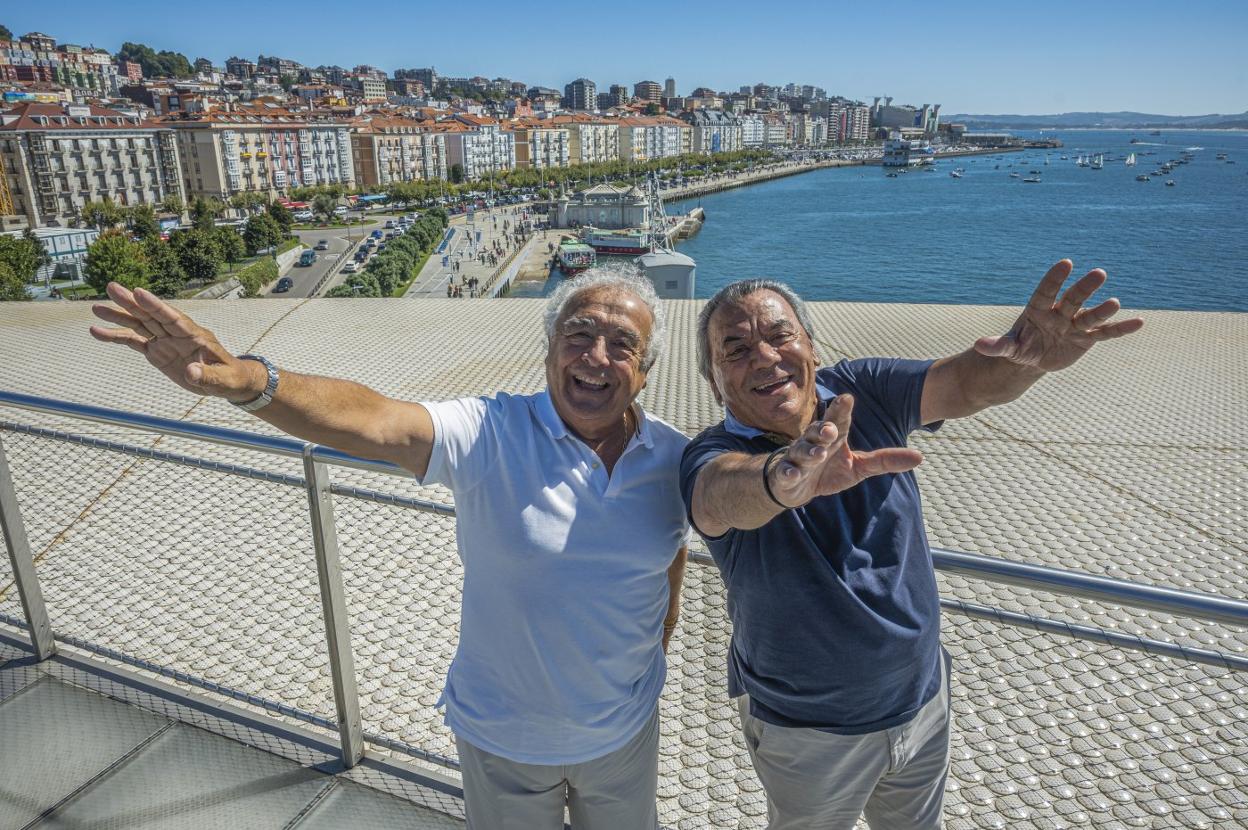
{"x":573,"y":324}
{"x":772,"y":327}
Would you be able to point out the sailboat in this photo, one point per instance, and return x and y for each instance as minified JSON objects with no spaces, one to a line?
{"x":1098,"y":162}
{"x":1082,"y":162}
{"x":1131,"y":160}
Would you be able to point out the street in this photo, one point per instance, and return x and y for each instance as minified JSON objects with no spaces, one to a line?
{"x":341,"y":240}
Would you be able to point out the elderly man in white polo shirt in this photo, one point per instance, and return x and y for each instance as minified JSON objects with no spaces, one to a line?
{"x":570,"y":526}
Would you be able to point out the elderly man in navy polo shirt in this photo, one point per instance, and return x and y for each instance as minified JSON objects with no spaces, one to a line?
{"x":805,"y":495}
{"x":569,"y":524}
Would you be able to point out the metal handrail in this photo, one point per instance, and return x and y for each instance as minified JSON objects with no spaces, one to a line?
{"x":992,"y":569}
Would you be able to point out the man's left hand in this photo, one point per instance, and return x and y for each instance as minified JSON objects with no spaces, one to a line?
{"x":1053,"y":333}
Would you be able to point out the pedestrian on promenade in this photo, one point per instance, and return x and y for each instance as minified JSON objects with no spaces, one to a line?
{"x":806,"y":498}
{"x":572,"y":542}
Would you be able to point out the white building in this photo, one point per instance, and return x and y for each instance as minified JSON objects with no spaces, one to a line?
{"x":753,"y":131}
{"x":479,"y":147}
{"x":54,"y":158}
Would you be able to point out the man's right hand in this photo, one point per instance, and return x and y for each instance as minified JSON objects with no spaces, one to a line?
{"x":187,"y":353}
{"x":820,"y":462}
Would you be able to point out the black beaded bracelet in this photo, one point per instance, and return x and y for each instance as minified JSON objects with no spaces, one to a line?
{"x":767,"y":474}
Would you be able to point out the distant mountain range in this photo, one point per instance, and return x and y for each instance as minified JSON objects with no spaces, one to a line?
{"x":1105,"y":120}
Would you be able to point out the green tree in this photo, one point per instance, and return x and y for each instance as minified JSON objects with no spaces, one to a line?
{"x":5,"y":34}
{"x":102,"y":214}
{"x":115,"y":257}
{"x":284,"y":218}
{"x":323,"y":205}
{"x":12,"y":287}
{"x":260,"y":232}
{"x":155,"y":64}
{"x":230,"y":245}
{"x":205,"y":211}
{"x":173,"y":204}
{"x":142,"y":219}
{"x":197,"y":253}
{"x":23,"y":255}
{"x":287,"y":81}
{"x":167,"y":277}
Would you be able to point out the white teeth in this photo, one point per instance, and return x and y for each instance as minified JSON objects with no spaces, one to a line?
{"x":593,"y":384}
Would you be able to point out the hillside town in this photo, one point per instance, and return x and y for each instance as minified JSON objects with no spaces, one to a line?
{"x":90,"y":139}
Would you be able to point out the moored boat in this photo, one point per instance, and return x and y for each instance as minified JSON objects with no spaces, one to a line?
{"x":575,"y":257}
{"x":627,"y":242}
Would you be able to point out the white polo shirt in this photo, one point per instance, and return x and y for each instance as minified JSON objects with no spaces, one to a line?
{"x":560,"y":656}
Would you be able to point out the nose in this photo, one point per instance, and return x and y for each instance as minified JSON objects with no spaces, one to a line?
{"x":596,"y":354}
{"x":766,"y":354}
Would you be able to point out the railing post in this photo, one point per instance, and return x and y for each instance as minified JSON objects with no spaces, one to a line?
{"x":334,"y":608}
{"x":23,"y":565}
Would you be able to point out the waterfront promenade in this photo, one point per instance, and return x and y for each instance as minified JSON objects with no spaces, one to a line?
{"x":1133,"y":464}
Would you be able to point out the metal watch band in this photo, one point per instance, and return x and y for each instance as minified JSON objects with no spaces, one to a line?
{"x":270,"y":389}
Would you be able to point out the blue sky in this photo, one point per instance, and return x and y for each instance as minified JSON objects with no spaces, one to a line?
{"x":1178,"y":58}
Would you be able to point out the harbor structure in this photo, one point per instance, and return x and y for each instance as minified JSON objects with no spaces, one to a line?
{"x":608,"y":206}
{"x":54,"y":158}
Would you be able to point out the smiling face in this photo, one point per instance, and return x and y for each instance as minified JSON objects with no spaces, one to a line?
{"x":763,"y":363}
{"x":594,"y":364}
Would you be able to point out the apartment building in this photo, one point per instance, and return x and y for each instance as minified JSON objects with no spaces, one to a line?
{"x":54,"y":158}
{"x":540,"y":144}
{"x":261,"y":149}
{"x":591,"y":139}
{"x":714,"y":131}
{"x":387,"y":149}
{"x":477,"y":145}
{"x":581,"y":94}
{"x":647,"y":91}
{"x":643,"y":138}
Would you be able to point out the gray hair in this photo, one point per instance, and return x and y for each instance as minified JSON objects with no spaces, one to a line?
{"x":733,"y":294}
{"x":627,"y":278}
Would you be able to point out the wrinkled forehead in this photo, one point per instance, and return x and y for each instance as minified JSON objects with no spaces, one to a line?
{"x":609,"y":307}
{"x":761,"y":310}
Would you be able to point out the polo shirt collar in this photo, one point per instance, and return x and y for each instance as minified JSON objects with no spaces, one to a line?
{"x":544,"y":408}
{"x":737,"y":428}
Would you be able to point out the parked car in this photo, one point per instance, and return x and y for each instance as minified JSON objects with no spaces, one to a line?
{"x":351,"y":267}
{"x":283,"y":285}
{"x":322,"y":245}
{"x":375,"y":235}
{"x":303,"y":216}
{"x":389,"y":223}
{"x":361,"y":255}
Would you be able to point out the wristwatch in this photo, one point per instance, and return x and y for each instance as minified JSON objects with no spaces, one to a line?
{"x":270,"y":389}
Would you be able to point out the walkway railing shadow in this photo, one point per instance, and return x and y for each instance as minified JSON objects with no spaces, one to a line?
{"x":321,"y":491}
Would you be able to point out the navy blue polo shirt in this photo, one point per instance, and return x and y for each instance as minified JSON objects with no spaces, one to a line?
{"x":834,"y":609}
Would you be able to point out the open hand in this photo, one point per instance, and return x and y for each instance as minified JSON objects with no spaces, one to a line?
{"x":1052,"y":334}
{"x":820,"y":462}
{"x":187,"y":353}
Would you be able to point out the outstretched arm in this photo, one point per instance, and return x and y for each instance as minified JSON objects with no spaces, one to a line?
{"x":337,"y":413}
{"x":1048,"y":336}
{"x":730,"y":491}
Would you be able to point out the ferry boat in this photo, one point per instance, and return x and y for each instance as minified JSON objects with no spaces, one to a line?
{"x":575,"y":257}
{"x":627,"y":242}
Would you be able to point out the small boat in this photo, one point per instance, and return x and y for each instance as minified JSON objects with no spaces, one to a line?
{"x":576,"y":256}
{"x":891,"y":175}
{"x":1169,"y":182}
{"x":1098,"y":163}
{"x":1034,"y":172}
{"x":1015,"y":175}
{"x":1131,"y":160}
{"x":1032,"y":180}
{"x":1142,"y":178}
{"x":957,"y":174}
